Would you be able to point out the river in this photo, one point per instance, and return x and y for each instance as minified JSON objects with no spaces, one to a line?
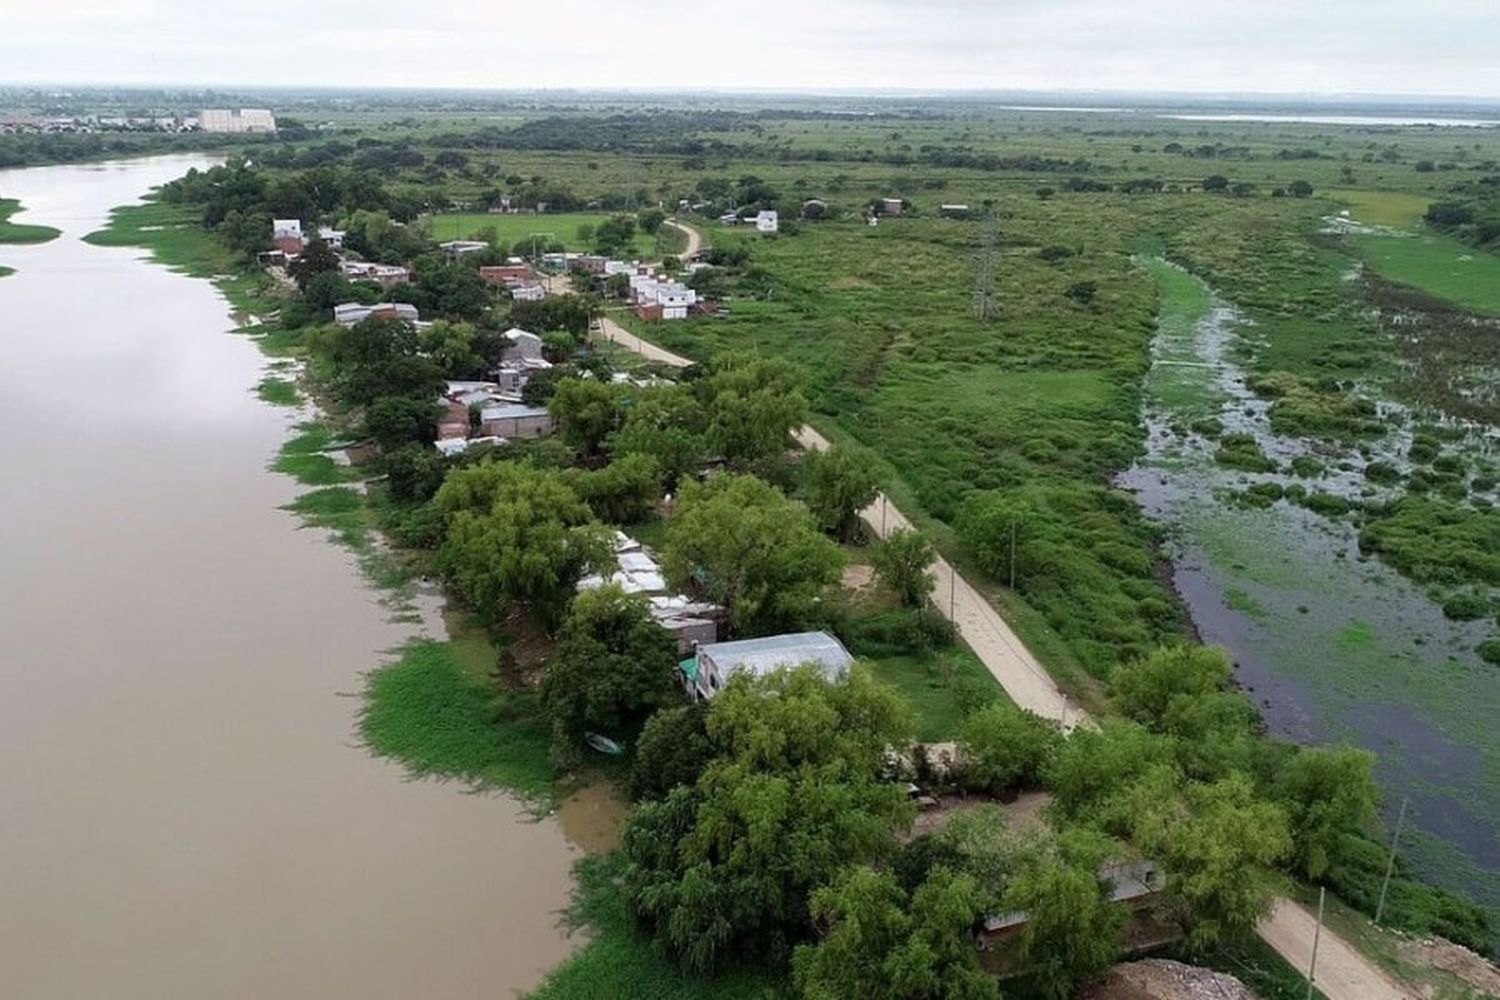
{"x":1331,"y":645}
{"x":185,"y":809}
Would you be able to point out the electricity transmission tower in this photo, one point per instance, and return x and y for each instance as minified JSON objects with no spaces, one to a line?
{"x":986,"y":305}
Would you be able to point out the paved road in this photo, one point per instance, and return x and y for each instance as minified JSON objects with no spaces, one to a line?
{"x":1342,"y":972}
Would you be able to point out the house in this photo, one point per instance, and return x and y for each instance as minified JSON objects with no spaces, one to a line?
{"x":455,"y":249}
{"x":691,"y":622}
{"x":766,"y":222}
{"x":286,"y":236}
{"x":524,"y":346}
{"x":892,"y":206}
{"x":814,"y":208}
{"x":587,"y":263}
{"x":333,"y":237}
{"x":1136,"y":885}
{"x":500,"y":274}
{"x":706,"y":673}
{"x":448,"y":447}
{"x":353,"y":313}
{"x":514,"y":420}
{"x":530,"y":291}
{"x":953,"y":211}
{"x":387,"y":276}
{"x":237,"y":122}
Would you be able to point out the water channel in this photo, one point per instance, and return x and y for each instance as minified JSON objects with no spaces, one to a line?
{"x":185,"y":809}
{"x":1331,"y":646}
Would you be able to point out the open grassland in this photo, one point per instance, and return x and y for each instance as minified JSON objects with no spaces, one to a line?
{"x":17,"y":232}
{"x":1438,"y":265}
{"x":1397,"y":209}
{"x":518,"y":231}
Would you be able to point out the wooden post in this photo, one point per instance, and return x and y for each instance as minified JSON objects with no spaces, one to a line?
{"x":1312,"y":967}
{"x":1390,"y":863}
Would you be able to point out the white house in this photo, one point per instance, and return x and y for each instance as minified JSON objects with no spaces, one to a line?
{"x":353,"y":313}
{"x":713,"y":664}
{"x":333,"y":237}
{"x":766,"y":222}
{"x":462,"y":248}
{"x":385,"y":275}
{"x":286,"y":229}
{"x":528,"y":291}
{"x":524,"y":346}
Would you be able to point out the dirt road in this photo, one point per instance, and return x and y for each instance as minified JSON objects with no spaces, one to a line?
{"x":1342,"y":972}
{"x":694,"y":237}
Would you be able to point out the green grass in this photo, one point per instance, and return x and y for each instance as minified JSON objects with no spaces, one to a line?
{"x":278,"y":391}
{"x":1398,"y":209}
{"x":942,"y":687}
{"x":513,"y":230}
{"x":303,"y":457}
{"x":425,"y":710}
{"x":1437,"y":264}
{"x":16,"y":232}
{"x":619,"y":963}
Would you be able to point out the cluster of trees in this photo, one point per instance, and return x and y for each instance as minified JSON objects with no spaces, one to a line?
{"x":1473,"y":215}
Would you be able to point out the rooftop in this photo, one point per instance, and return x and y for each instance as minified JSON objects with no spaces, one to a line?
{"x":761,"y":656}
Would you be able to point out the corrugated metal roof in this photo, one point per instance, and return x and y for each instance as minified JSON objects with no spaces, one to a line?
{"x":761,"y":656}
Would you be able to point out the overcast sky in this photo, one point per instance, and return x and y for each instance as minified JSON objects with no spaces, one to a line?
{"x":1320,"y":46}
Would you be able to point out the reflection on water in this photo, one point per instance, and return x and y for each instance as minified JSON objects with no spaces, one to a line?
{"x":184,"y":810}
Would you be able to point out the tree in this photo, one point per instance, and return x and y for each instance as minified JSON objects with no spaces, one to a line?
{"x":1083,"y":292}
{"x":377,"y":357}
{"x":394,"y":421}
{"x":317,"y":257}
{"x":650,"y":220}
{"x":613,"y":665}
{"x":1216,"y":182}
{"x":454,"y":348}
{"x":752,"y":405}
{"x":625,"y":491}
{"x":742,"y":544}
{"x":1328,"y":792}
{"x":839,"y":484}
{"x":667,"y":424}
{"x":570,"y":312}
{"x":999,"y":528}
{"x":614,"y":234}
{"x":790,"y":797}
{"x":586,"y":412}
{"x":1300,"y":189}
{"x":1145,"y":689}
{"x":673,"y":750}
{"x":1071,"y":930}
{"x":413,"y":473}
{"x":901,"y":563}
{"x":879,"y":944}
{"x":517,"y":534}
{"x":1215,"y":845}
{"x":1004,"y":747}
{"x":1094,"y":770}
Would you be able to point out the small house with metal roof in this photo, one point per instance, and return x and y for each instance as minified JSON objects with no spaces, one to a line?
{"x":714,"y":663}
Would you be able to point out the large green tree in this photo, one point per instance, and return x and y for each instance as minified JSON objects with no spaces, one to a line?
{"x":517,"y":534}
{"x":901,"y":563}
{"x":1328,"y":793}
{"x":1004,"y":746}
{"x":587,"y":411}
{"x":739,"y":542}
{"x":753,"y":406}
{"x":612,"y":666}
{"x":790,"y":796}
{"x":878,"y":943}
{"x":1146,"y":688}
{"x":839,"y":483}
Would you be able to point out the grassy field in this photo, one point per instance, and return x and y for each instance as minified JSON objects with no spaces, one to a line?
{"x":1397,"y":209}
{"x":1438,"y":265}
{"x":15,"y":232}
{"x":514,"y":230}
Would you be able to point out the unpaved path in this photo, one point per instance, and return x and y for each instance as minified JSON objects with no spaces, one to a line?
{"x":1342,"y":972}
{"x":694,"y":237}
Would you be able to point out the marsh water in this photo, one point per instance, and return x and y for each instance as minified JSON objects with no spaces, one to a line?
{"x":185,"y":809}
{"x":1330,"y":645}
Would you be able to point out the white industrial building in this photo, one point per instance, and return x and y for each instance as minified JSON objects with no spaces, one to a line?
{"x":237,"y":121}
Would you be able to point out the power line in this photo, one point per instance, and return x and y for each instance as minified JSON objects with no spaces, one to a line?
{"x":986,"y":305}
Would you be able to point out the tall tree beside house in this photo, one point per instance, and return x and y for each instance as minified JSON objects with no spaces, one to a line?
{"x":587,"y":411}
{"x":517,"y":535}
{"x":753,"y":404}
{"x":790,"y":796}
{"x":665,"y":423}
{"x":901,"y":563}
{"x":317,"y":257}
{"x":878,"y":943}
{"x":738,"y":541}
{"x":613,"y":665}
{"x":839,"y":483}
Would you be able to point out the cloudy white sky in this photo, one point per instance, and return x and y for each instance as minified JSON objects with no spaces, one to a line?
{"x":1320,"y":46}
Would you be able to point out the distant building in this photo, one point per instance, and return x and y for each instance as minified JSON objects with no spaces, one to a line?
{"x":766,"y":222}
{"x":387,"y":276}
{"x":514,"y":420}
{"x":892,"y":206}
{"x":954,"y":211}
{"x":236,"y":122}
{"x":690,"y":622}
{"x":333,"y":237}
{"x":353,"y":313}
{"x":500,"y":274}
{"x":529,"y":291}
{"x":524,"y":346}
{"x":286,"y":236}
{"x":712,"y":665}
{"x":462,"y":248}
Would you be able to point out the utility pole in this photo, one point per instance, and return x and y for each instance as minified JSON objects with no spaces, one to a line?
{"x":1013,"y":554}
{"x":952,"y":586}
{"x":1390,"y":864}
{"x":1312,"y":967}
{"x":884,"y":503}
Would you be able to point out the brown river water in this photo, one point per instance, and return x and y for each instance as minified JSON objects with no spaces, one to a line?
{"x":185,"y":809}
